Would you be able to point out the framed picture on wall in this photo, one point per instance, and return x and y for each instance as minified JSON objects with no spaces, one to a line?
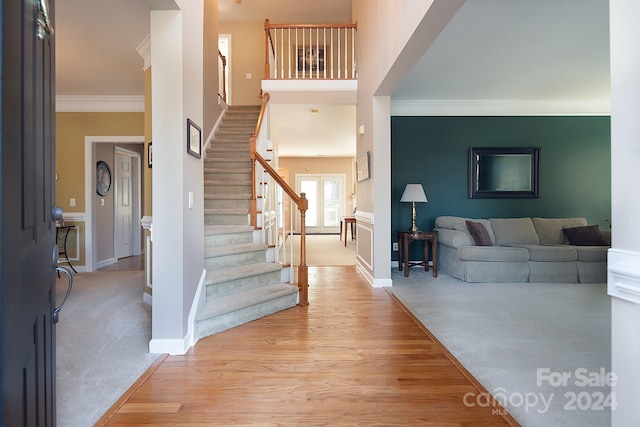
{"x":362,"y":168}
{"x":311,"y":59}
{"x":194,"y":139}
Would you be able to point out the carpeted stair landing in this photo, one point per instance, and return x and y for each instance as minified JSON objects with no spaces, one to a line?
{"x":241,"y":285}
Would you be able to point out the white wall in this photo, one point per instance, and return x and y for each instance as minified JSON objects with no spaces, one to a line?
{"x":178,"y":231}
{"x":391,"y":38}
{"x":624,"y":256}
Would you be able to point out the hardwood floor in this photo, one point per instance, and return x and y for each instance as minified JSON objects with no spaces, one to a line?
{"x":352,"y":357}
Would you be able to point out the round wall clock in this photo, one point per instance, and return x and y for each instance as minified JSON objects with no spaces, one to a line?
{"x":103,"y":178}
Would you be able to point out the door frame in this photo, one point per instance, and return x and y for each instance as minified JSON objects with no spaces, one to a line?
{"x":89,"y":188}
{"x":136,"y":187}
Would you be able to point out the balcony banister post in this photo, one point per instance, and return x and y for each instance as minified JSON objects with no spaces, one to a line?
{"x":267,"y":34}
{"x":303,"y":271}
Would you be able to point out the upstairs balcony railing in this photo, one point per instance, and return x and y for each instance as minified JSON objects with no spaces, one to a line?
{"x":309,"y":51}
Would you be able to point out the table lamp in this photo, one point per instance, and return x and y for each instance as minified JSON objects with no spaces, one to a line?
{"x":413,"y":193}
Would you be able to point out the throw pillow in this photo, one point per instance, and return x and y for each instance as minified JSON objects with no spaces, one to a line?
{"x":479,"y":233}
{"x":588,"y":235}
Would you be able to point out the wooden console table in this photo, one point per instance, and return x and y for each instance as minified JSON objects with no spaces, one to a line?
{"x":347,"y":220}
{"x":405,"y":238}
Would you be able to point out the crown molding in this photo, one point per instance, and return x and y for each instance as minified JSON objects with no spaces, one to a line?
{"x":144,"y":50}
{"x":100,"y":104}
{"x":499,"y":108}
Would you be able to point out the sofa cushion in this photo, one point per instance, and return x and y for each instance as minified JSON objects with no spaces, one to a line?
{"x":449,"y":221}
{"x":585,"y":236}
{"x":557,"y":253}
{"x":454,"y":238}
{"x":492,"y":254}
{"x":592,"y":253}
{"x":479,"y":233}
{"x":514,"y":231}
{"x":549,"y":230}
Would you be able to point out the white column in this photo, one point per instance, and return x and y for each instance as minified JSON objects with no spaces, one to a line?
{"x":624,"y":256}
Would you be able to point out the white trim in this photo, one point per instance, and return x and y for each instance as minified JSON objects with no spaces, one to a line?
{"x":105,"y":263}
{"x":147,"y":298}
{"x":382,"y":283}
{"x":99,"y":104}
{"x":146,"y":221}
{"x":144,"y":50}
{"x":296,"y":85}
{"x":73,"y":216}
{"x":89,"y":188}
{"x":175,"y":347}
{"x":623,"y":279}
{"x":499,"y":108}
{"x":366,"y":217}
{"x":198,"y":300}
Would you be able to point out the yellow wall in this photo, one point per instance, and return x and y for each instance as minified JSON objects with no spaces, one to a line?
{"x":71,"y":129}
{"x":246,"y":56}
{"x":320,"y":165}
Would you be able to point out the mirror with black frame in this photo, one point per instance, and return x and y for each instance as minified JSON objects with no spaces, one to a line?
{"x":504,"y":172}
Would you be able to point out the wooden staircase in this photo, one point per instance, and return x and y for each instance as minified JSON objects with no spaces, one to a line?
{"x":241,"y":285}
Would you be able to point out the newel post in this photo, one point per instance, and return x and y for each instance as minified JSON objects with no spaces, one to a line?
{"x":303,"y":272}
{"x":253,"y":209}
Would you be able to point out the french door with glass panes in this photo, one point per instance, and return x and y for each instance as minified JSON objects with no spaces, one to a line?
{"x":326,"y":202}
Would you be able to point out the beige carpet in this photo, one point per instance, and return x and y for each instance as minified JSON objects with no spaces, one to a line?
{"x":325,"y":250}
{"x":102,"y":343}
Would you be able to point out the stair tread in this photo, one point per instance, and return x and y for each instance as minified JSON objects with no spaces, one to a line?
{"x":240,"y":271}
{"x":212,"y":230}
{"x":226,"y":211}
{"x":216,"y":251}
{"x":227,"y":182}
{"x":227,"y":196}
{"x":226,"y":304}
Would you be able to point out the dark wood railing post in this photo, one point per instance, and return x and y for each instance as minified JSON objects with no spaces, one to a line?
{"x":267,"y":36}
{"x":223,"y":59}
{"x":303,"y":271}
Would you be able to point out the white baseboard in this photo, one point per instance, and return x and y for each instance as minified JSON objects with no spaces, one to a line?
{"x":198,"y":300}
{"x":175,"y":347}
{"x":147,"y":299}
{"x":106,"y":262}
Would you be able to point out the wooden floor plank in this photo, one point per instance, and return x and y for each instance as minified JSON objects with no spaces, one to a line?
{"x":354,"y":356}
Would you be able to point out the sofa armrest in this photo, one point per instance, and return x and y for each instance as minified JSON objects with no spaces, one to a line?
{"x":454,"y":238}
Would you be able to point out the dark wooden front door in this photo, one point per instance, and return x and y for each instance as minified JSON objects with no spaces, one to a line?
{"x":27,"y":230}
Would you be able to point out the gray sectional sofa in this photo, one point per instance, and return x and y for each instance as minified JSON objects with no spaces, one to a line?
{"x":522,"y":250}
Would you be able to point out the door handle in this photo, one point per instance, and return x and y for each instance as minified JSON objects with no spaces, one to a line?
{"x":56,"y":213}
{"x":56,"y":311}
{"x":43,"y":22}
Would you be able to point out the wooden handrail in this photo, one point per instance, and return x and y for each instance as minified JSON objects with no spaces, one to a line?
{"x":307,"y":26}
{"x":301,"y":202}
{"x":224,"y":82}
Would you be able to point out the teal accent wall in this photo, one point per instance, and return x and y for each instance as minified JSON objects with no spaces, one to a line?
{"x":575,"y":167}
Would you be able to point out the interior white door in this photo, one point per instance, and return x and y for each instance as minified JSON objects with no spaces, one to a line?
{"x":124,"y":242}
{"x":326,"y":201}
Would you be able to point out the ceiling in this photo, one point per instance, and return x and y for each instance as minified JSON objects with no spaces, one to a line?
{"x":492,"y":50}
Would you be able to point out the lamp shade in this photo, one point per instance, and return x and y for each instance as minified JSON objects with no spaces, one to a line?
{"x":414,"y":193}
